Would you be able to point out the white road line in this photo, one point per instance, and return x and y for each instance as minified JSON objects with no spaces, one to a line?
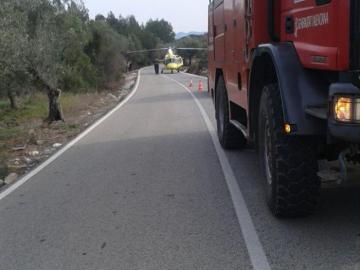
{"x":34,"y":172}
{"x":194,"y":75}
{"x":256,"y":252}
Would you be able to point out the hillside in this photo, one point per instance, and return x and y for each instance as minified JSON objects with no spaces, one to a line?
{"x":183,"y":34}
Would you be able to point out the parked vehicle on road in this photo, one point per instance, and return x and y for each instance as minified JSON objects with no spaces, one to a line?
{"x":171,"y":62}
{"x":285,"y":75}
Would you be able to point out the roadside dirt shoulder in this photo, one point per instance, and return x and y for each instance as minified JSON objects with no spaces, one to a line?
{"x":37,"y":140}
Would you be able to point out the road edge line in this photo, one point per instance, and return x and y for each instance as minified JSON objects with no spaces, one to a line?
{"x":195,"y":75}
{"x":7,"y":191}
{"x":255,"y":249}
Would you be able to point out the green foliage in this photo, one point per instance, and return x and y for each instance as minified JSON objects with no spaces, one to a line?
{"x":161,"y":29}
{"x":14,"y":48}
{"x":106,"y":52}
{"x":79,"y":73}
{"x":193,"y":42}
{"x":47,"y":43}
{"x":135,"y":44}
{"x":54,"y":43}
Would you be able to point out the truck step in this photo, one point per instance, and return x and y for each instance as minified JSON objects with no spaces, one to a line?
{"x":331,"y":176}
{"x":240,"y":127}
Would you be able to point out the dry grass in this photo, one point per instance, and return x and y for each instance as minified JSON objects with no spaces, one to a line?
{"x":79,"y":111}
{"x":26,"y":127}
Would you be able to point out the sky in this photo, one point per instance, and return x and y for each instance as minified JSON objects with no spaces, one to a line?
{"x":184,"y":15}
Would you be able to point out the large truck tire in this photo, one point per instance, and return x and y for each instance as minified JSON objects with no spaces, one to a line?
{"x":289,"y":162}
{"x":229,"y":136}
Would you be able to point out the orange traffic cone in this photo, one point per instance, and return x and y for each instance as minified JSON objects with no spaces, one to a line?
{"x":201,"y":87}
{"x":191,"y":84}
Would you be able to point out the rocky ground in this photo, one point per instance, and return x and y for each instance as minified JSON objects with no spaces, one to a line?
{"x":41,"y":140}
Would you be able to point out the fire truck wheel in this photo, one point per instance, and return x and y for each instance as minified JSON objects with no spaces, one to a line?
{"x":289,"y":162}
{"x":229,"y":136}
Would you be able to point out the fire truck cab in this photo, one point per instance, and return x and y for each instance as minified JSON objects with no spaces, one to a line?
{"x":284,"y":75}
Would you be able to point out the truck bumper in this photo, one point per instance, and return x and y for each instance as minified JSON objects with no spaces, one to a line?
{"x":346,"y":131}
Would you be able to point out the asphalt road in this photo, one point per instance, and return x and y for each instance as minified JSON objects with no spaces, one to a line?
{"x":148,"y":189}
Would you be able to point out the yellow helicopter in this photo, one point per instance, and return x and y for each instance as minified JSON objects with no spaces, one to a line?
{"x":171,"y":62}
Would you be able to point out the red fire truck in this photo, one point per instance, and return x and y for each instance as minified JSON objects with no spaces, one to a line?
{"x":284,"y":75}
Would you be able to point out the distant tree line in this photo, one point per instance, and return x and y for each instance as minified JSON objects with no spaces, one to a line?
{"x":53,"y":44}
{"x":194,"y":41}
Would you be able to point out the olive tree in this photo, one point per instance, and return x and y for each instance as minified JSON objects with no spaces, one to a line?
{"x":14,"y":49}
{"x":45,"y":57}
{"x":31,"y":48}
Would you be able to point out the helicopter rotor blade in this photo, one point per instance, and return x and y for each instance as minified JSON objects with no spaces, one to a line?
{"x":149,"y":50}
{"x":192,"y":49}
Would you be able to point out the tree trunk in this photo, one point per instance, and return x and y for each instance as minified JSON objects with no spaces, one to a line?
{"x":12,"y":99}
{"x":55,"y":111}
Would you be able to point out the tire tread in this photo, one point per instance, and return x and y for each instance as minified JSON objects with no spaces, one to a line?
{"x":231,"y":138}
{"x":297,"y":186}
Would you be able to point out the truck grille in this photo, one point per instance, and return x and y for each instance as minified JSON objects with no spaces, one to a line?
{"x":355,"y":35}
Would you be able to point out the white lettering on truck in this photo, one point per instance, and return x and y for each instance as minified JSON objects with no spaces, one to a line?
{"x":311,"y":21}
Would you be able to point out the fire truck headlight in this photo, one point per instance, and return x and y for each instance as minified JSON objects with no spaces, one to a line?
{"x":357,"y":109}
{"x":347,"y":109}
{"x":343,"y":109}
